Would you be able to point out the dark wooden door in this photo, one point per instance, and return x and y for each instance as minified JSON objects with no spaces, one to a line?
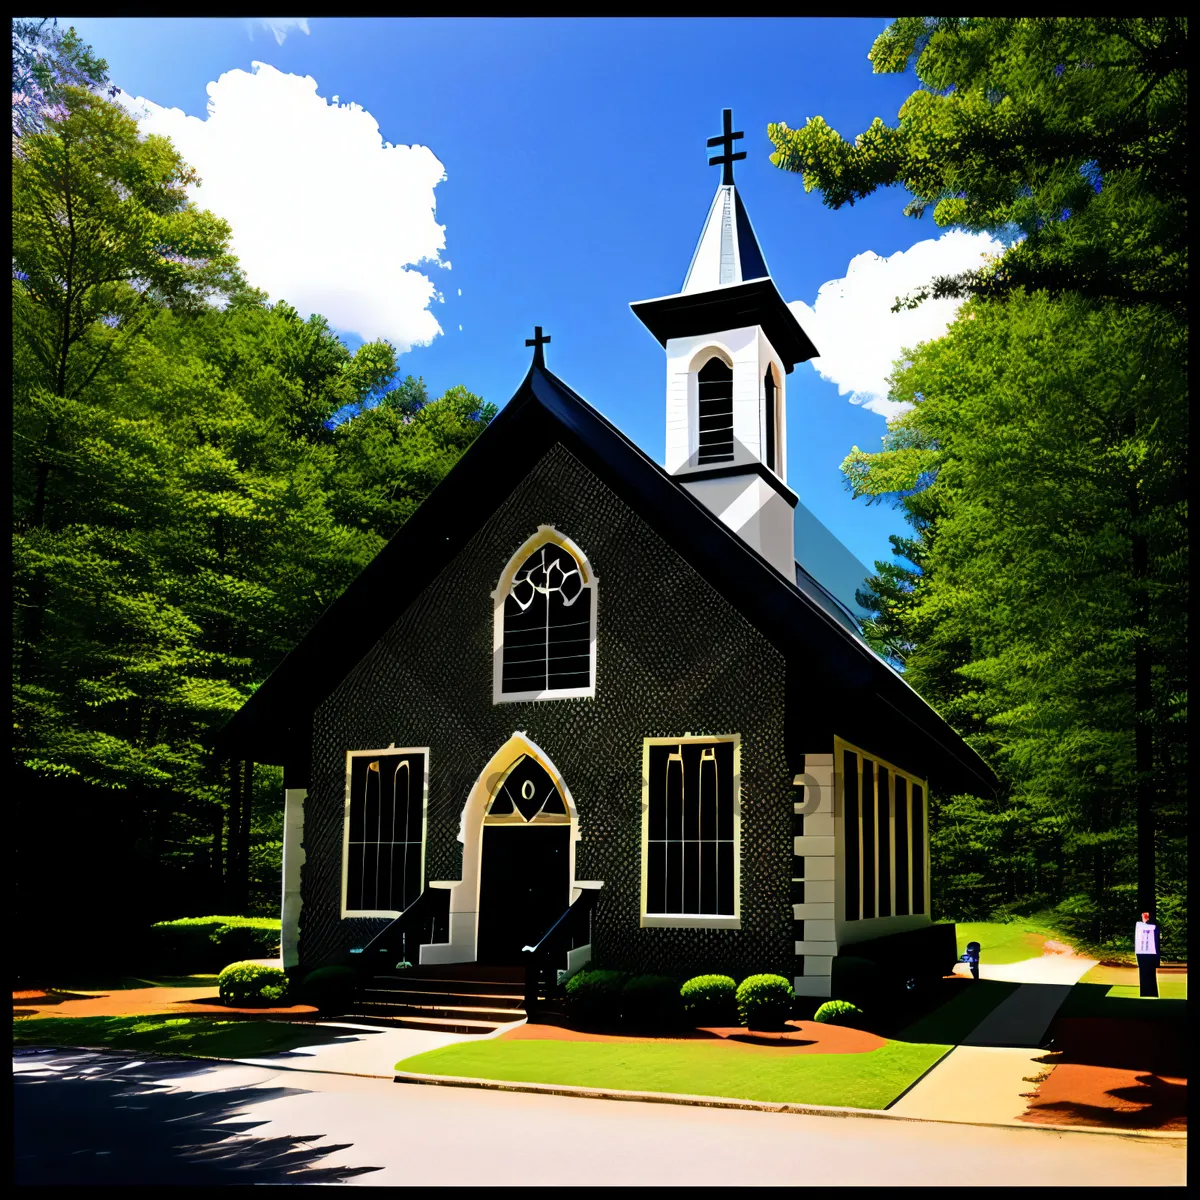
{"x":525,"y":877}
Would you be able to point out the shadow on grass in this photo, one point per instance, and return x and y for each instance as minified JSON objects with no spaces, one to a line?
{"x":1093,"y":1000}
{"x":83,"y":1118}
{"x":966,"y":1004}
{"x":200,"y":1036}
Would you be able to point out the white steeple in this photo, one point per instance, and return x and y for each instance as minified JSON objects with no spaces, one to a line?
{"x":730,"y":342}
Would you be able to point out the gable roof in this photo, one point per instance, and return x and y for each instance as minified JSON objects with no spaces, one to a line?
{"x":545,"y":411}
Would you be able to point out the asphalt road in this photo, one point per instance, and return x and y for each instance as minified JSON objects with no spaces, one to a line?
{"x":92,"y":1118}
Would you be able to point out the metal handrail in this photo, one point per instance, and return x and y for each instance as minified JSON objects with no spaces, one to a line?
{"x":537,"y":965}
{"x":384,"y":942}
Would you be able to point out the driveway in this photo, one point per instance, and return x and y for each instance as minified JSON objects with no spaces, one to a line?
{"x":84,"y":1117}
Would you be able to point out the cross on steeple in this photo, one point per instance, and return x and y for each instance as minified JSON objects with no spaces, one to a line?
{"x":537,"y":342}
{"x":726,"y":140}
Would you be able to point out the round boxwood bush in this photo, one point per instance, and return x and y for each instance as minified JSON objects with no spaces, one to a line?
{"x":594,"y":997}
{"x":837,"y":1012}
{"x":250,"y":984}
{"x":710,"y":1000}
{"x":651,"y":1002}
{"x":330,"y":989}
{"x":764,"y":1001}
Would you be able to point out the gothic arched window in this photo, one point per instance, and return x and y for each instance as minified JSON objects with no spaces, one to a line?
{"x":715,"y":412}
{"x":770,"y":415}
{"x":545,"y":644}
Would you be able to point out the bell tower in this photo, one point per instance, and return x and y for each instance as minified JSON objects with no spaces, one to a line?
{"x":731,"y":342}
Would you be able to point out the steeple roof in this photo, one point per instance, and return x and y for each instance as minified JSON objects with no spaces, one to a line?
{"x":728,"y":252}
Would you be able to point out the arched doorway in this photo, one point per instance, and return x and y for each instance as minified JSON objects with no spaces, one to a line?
{"x":525,"y":861}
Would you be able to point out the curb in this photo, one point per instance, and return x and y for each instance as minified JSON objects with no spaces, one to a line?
{"x":809,"y":1110}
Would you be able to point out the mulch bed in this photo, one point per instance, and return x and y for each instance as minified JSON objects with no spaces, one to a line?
{"x":1125,"y":1073}
{"x":140,"y":1002}
{"x":801,"y":1037}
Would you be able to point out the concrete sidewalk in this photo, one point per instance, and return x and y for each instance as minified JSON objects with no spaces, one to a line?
{"x":373,"y":1052}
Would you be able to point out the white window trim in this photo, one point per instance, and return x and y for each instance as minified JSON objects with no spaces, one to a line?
{"x":546,"y":535}
{"x":840,"y":745}
{"x":351,"y":755}
{"x":693,"y":920}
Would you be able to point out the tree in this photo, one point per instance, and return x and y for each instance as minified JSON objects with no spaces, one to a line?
{"x":1043,"y":465}
{"x":1066,"y":133}
{"x":45,"y":60}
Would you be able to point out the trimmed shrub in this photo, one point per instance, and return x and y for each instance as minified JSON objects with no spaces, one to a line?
{"x":854,"y":978}
{"x":594,"y":997}
{"x":330,"y":989}
{"x":837,"y":1012}
{"x":710,"y":1000}
{"x":246,"y":984}
{"x":651,"y":1002}
{"x":764,"y":1001}
{"x":193,"y":945}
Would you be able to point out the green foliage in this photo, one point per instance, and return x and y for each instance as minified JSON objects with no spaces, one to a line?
{"x":838,"y":1012}
{"x":247,"y":984}
{"x":594,"y":997}
{"x":331,"y":989}
{"x":764,"y":1001}
{"x":651,"y":1002}
{"x":1064,"y":133}
{"x":195,"y":944}
{"x":710,"y":1000}
{"x":45,"y":60}
{"x":185,"y":504}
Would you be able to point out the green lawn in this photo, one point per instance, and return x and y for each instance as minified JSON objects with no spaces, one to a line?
{"x":952,"y":1021}
{"x":198,"y":1037}
{"x":700,"y":1068}
{"x":1105,"y":1000}
{"x":1006,"y":942}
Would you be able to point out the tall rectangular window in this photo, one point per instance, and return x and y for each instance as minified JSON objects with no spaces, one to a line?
{"x":383,"y":860}
{"x":715,"y":382}
{"x":884,"y":844}
{"x":901,"y":846}
{"x":883,"y":794}
{"x":853,"y":854}
{"x":868,"y":838}
{"x":690,"y":828}
{"x":918,"y":849}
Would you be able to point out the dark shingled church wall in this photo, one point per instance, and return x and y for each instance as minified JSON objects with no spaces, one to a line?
{"x":673,"y":657}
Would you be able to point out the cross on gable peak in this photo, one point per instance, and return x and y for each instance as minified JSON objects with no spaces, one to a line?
{"x":725,"y":140}
{"x":537,"y":342}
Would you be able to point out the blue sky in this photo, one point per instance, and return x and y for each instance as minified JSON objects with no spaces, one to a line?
{"x":575,"y":182}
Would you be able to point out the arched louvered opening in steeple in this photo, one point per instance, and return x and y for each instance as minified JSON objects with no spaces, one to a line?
{"x":715,"y":411}
{"x":770,"y":397}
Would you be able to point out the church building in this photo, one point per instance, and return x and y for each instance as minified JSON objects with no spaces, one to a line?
{"x":583,"y":691}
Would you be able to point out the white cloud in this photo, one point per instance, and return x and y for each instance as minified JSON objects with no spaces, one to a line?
{"x":325,"y":214}
{"x":279,"y":26}
{"x":853,"y":326}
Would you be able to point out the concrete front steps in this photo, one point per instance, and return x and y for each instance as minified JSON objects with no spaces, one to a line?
{"x":456,"y":998}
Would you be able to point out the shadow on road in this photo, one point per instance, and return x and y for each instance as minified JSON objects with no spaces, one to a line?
{"x":86,"y":1118}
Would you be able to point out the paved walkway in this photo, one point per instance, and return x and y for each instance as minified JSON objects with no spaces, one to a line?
{"x":983,"y":1078}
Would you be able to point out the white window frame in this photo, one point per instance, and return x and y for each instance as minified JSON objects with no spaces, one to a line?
{"x":546,"y":535}
{"x":351,"y":755}
{"x":693,"y":920}
{"x":840,"y":747}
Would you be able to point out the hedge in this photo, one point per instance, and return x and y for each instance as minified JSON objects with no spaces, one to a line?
{"x":331,"y":989}
{"x":764,"y":1001}
{"x":837,"y":1012}
{"x":194,"y":945}
{"x":710,"y":1000}
{"x":651,"y":1002}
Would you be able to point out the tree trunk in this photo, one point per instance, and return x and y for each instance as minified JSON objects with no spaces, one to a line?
{"x":1143,"y":744}
{"x":244,"y":835}
{"x":233,"y":871}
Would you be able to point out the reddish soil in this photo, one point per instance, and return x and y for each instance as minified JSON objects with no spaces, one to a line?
{"x":138,"y":1002}
{"x":1125,"y":1073}
{"x":803,"y":1037}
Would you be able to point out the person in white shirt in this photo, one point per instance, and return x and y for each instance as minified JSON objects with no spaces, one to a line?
{"x":1145,"y":947}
